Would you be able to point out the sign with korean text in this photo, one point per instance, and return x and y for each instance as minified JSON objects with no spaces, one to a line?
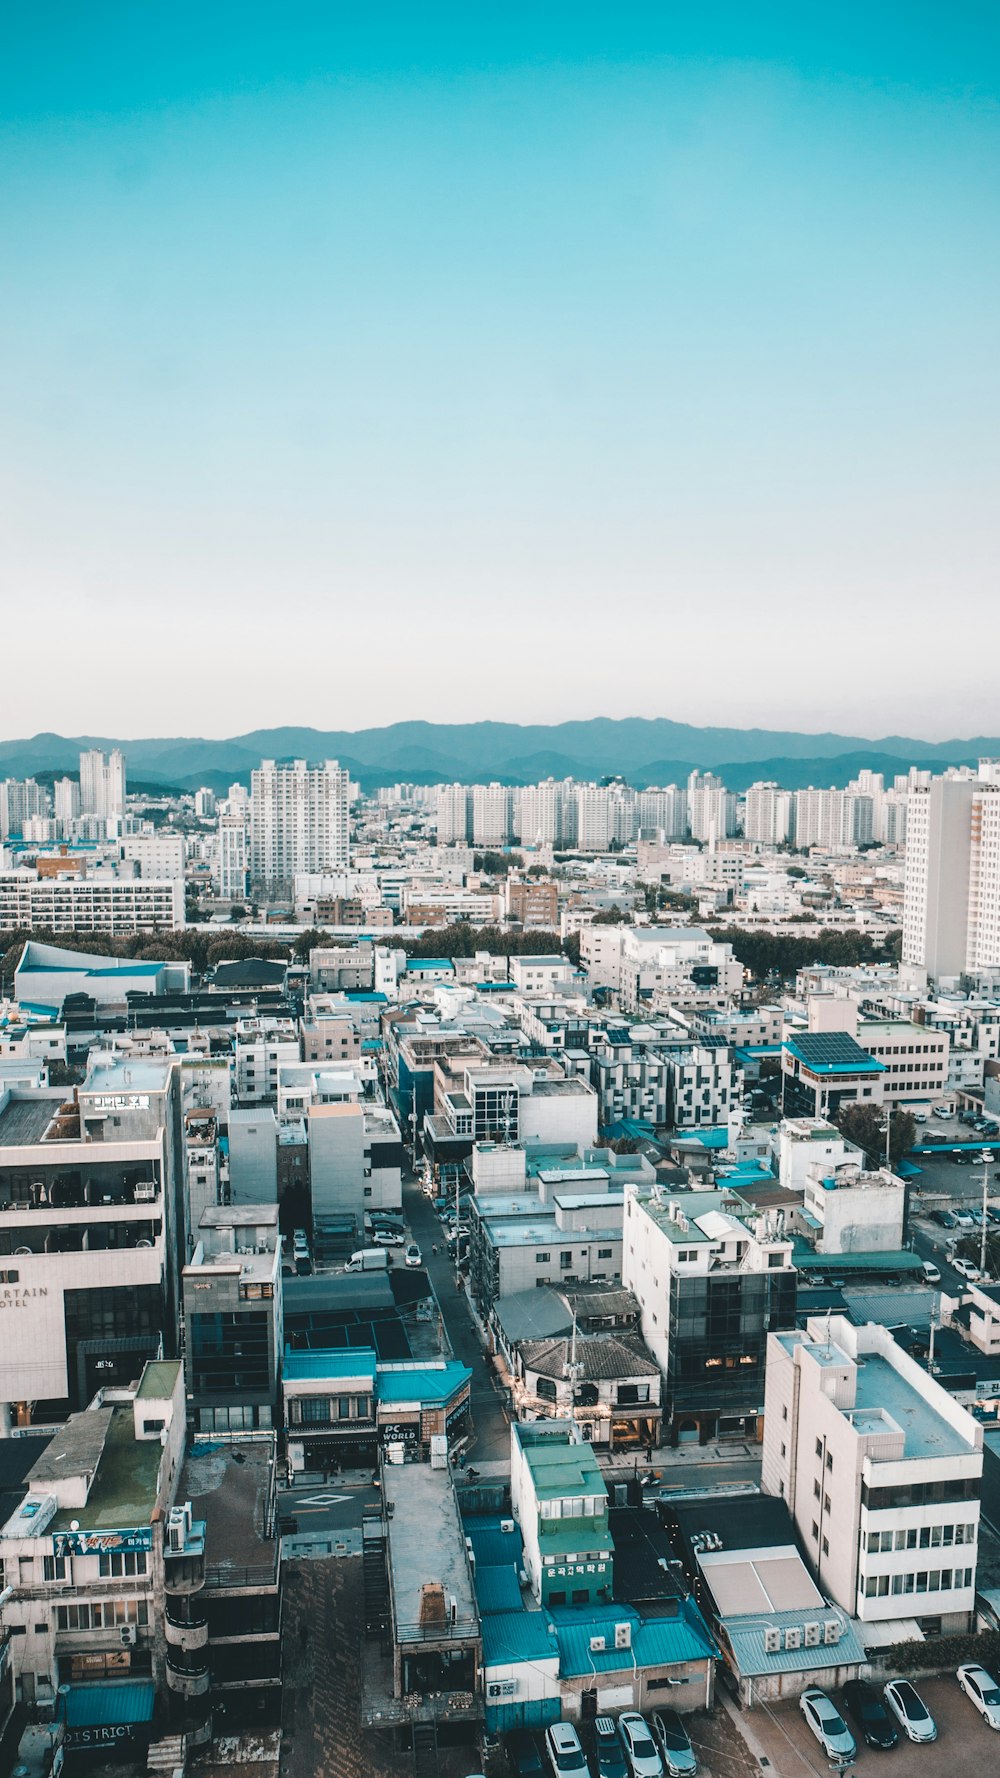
{"x":120,"y":1102}
{"x":101,"y":1543}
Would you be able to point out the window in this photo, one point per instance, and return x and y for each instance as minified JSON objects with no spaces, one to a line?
{"x":542,"y":1259}
{"x":54,"y":1568}
{"x":817,"y":1490}
{"x":819,"y":1447}
{"x":121,"y":1563}
{"x":826,"y":1546}
{"x":815,"y":1531}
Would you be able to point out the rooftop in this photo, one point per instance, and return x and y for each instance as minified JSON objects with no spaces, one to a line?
{"x":927,"y":1434}
{"x":123,"y":1492}
{"x":425,"y":1383}
{"x":426,"y":1545}
{"x":318,"y":1366}
{"x":229,"y":1487}
{"x":24,"y":1121}
{"x":832,"y":1052}
{"x":129,"y":1074}
{"x":159,"y":1380}
{"x":558,"y":1466}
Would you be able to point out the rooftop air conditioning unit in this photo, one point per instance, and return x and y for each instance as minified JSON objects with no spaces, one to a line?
{"x":598,"y":1644}
{"x":145,"y":1192}
{"x":833,"y":1629}
{"x":772,"y":1642}
{"x":506,"y":1524}
{"x":813,"y":1633}
{"x":793,"y":1637}
{"x":126,"y":1635}
{"x":623,"y":1635}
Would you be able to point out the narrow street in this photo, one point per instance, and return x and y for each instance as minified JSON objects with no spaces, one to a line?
{"x":491,"y":1433}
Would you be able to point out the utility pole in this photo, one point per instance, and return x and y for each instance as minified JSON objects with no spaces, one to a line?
{"x":986,"y":1159}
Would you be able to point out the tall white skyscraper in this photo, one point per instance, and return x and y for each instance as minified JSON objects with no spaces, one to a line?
{"x":538,"y":813}
{"x":232,"y":860}
{"x":768,"y":816}
{"x":951,"y":892}
{"x":491,"y":814}
{"x":20,"y":800}
{"x":454,"y":814}
{"x":67,"y":800}
{"x":299,"y":821}
{"x":102,"y":784}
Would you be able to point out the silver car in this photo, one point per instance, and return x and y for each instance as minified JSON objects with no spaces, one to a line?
{"x":640,"y":1748}
{"x":910,"y":1711}
{"x":679,"y":1756}
{"x":827,"y":1724}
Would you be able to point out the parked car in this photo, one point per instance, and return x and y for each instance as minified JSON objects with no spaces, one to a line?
{"x":412,"y":1256}
{"x":962,"y":1219}
{"x":640,"y":1748}
{"x":966,"y":1269}
{"x":827,"y":1724}
{"x":983,"y":1690}
{"x":679,"y":1756}
{"x":942,"y":1112}
{"x":522,"y":1752}
{"x":910,"y":1711}
{"x":609,"y":1754}
{"x":871,"y":1717}
{"x":929,"y":1272}
{"x":388,"y":1238}
{"x":562,"y":1744}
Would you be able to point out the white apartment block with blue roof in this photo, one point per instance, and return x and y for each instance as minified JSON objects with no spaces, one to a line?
{"x":881,"y":1470}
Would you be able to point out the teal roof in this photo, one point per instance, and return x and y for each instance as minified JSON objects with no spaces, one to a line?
{"x":497,"y":1589}
{"x":317,"y":1367}
{"x":422,"y":1384}
{"x":832,"y":1053}
{"x":746,"y":1638}
{"x":514,"y":1636}
{"x":492,"y":1547}
{"x":808,"y":1260}
{"x":93,"y":1706}
{"x":656,"y":1642}
{"x":414,"y":963}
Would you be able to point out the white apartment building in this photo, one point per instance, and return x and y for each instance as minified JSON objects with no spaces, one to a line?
{"x":664,"y":811}
{"x":680,"y":964}
{"x":299,"y":820}
{"x":916,"y":1058}
{"x":20,"y":802}
{"x":832,"y":818}
{"x":232,"y":858}
{"x":102,"y":784}
{"x":767,"y":818}
{"x":66,"y":797}
{"x":538,"y":813}
{"x":601,"y":954}
{"x":711,"y":807}
{"x":454,"y":814}
{"x":951,"y":894}
{"x":881,"y":1470}
{"x":118,"y":905}
{"x":159,"y":854}
{"x":491,"y":815}
{"x":262,"y":1046}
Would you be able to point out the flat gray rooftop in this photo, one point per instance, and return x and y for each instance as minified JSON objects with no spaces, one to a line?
{"x":927,"y":1434}
{"x":24,"y":1121}
{"x":426,"y":1542}
{"x":228,"y":1487}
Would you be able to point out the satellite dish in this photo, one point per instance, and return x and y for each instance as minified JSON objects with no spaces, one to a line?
{"x":74,"y":1524}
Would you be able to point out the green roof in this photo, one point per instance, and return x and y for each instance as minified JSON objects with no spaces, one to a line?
{"x":558,"y":1469}
{"x":159,"y":1380}
{"x":123,"y":1493}
{"x":98,"y":1706}
{"x":560,"y":1537}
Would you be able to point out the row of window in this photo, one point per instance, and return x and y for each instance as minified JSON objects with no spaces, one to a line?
{"x":919,"y":1494}
{"x":115,"y":1566}
{"x":573,"y":1506}
{"x":311,"y":1410}
{"x":926,"y":1580}
{"x":102,"y":1614}
{"x":920,"y":1537}
{"x":566,"y":1259}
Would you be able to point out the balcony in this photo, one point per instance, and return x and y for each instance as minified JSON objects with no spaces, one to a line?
{"x":185,"y":1633}
{"x":188,"y":1676}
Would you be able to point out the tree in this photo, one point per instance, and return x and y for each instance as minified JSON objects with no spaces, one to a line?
{"x":865,"y":1126}
{"x":615,"y":916}
{"x":497,"y":864}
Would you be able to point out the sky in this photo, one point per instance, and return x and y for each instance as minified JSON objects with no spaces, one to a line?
{"x":530,"y":362}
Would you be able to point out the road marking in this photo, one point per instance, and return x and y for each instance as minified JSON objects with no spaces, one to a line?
{"x":322,"y":1499}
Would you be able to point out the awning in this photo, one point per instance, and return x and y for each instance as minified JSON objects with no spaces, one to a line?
{"x":890,"y":1631}
{"x":122,"y":1701}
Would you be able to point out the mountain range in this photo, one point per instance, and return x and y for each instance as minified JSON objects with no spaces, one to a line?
{"x":643,"y":750}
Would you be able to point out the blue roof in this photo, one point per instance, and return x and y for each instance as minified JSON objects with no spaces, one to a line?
{"x":425,"y":1384}
{"x":746,"y":1638}
{"x":91,"y":1706}
{"x":514,"y":1636}
{"x":413,"y":963}
{"x":492,"y":1547}
{"x":497,"y":1589}
{"x":360,"y":996}
{"x":656,"y":1642}
{"x":301,"y":1367}
{"x":832,"y":1052}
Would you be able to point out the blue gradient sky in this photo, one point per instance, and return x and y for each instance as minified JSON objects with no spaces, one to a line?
{"x":513,"y":361}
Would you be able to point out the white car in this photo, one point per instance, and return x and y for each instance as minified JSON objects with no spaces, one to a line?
{"x":827,"y":1724}
{"x":943,"y":1113}
{"x":910,"y":1711}
{"x":983,"y":1690}
{"x":413,"y":1257}
{"x":966,"y":1269}
{"x":641,"y":1750}
{"x":562,"y":1744}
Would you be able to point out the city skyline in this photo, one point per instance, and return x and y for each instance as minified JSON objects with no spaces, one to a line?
{"x":338,"y":341}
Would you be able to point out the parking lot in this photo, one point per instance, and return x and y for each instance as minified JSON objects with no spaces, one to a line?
{"x":965,"y":1747}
